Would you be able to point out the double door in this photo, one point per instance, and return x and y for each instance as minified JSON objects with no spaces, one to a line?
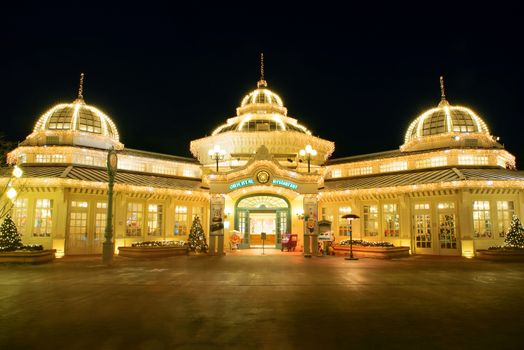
{"x":435,"y":234}
{"x":249,"y":233}
{"x":85,"y":227}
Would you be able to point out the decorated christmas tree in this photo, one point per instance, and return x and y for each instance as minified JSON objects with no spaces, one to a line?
{"x":10,"y":239}
{"x":197,"y":239}
{"x":515,"y":236}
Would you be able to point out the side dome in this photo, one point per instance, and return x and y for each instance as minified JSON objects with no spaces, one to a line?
{"x":77,"y":116}
{"x":77,"y":124}
{"x":447,"y":126}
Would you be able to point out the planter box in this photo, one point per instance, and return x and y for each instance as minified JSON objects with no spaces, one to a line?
{"x":151,"y":252}
{"x":500,"y":255}
{"x":34,"y":257}
{"x":373,"y":252}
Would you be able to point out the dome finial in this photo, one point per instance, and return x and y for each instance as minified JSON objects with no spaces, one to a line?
{"x":81,"y":87}
{"x":261,"y":66}
{"x":442,"y":92}
{"x":262,"y":82}
{"x":443,"y":101}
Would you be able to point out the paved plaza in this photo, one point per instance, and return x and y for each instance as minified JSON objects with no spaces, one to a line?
{"x":275,"y":301}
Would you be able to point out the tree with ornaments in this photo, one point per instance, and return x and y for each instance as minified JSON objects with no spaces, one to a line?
{"x":10,"y":239}
{"x":197,"y":239}
{"x":515,"y":236}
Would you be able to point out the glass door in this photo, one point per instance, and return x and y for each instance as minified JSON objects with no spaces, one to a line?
{"x":78,"y":239}
{"x":262,"y":222}
{"x":422,"y":229}
{"x":447,"y":231}
{"x":282,"y":227}
{"x":243,"y":226}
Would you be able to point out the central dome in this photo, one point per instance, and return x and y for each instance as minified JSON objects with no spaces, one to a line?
{"x":262,"y":95}
{"x":261,"y":120}
{"x":261,"y":110}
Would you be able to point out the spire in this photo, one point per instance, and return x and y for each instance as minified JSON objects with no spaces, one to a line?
{"x":80,"y":97}
{"x":443,"y":100}
{"x":262,"y":82}
{"x":442,"y":92}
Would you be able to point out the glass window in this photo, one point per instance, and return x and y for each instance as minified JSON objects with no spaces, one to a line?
{"x":422,"y":222}
{"x":336,"y":173}
{"x":78,"y":204}
{"x":154,"y":220}
{"x":370,"y":220}
{"x":61,"y":119}
{"x":89,"y":160}
{"x":393,"y":166}
{"x":43,"y":218}
{"x":134,"y":219}
{"x":19,"y":214}
{"x":447,"y":231}
{"x":50,"y":158}
{"x":242,"y":223}
{"x":344,"y":226}
{"x":391,"y":220}
{"x":360,"y":171}
{"x":435,"y":123}
{"x":197,"y":211}
{"x":180,"y":220}
{"x":472,"y":160}
{"x":481,"y":219}
{"x":78,"y":223}
{"x":462,"y":121}
{"x":100,"y":220}
{"x":130,"y":164}
{"x":431,"y":162}
{"x":188,"y":172}
{"x":161,"y":169}
{"x":88,"y":121}
{"x":505,"y":211}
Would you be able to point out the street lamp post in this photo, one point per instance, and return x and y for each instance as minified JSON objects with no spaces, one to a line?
{"x":108,"y":245}
{"x":350,"y":218}
{"x":216,"y":154}
{"x":308,"y":153}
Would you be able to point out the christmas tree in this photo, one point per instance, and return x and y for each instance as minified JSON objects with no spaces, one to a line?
{"x":197,"y":239}
{"x":515,"y":236}
{"x":10,"y":239}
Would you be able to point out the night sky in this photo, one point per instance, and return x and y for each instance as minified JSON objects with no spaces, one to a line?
{"x":355,"y":76}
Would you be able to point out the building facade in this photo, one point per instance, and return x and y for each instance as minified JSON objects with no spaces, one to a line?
{"x":450,"y":189}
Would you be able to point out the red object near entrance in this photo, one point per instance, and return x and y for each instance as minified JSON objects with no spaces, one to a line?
{"x":289,"y":241}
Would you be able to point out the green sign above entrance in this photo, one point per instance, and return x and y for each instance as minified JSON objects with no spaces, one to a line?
{"x":241,"y":183}
{"x":285,"y":183}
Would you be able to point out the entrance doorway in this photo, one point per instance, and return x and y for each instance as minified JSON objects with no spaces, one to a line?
{"x":85,"y":229}
{"x":263,"y":222}
{"x":266,"y":213}
{"x":443,"y":241}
